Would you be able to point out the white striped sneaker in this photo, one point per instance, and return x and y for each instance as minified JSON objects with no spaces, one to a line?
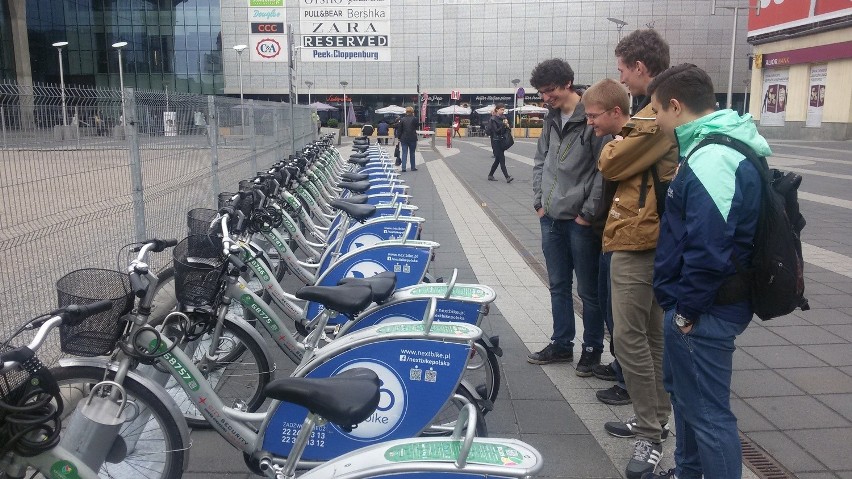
{"x":646,"y":456}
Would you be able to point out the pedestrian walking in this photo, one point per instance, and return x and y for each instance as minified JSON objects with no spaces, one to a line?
{"x":708,"y":228}
{"x":497,"y":128}
{"x":382,"y":130}
{"x":640,"y":164}
{"x":406,"y":132}
{"x":566,"y":194}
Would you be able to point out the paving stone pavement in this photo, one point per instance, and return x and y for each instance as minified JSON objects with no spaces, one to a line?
{"x":792,"y":385}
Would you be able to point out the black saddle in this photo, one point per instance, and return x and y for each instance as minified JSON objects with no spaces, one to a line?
{"x":356,"y":199}
{"x":355,"y":186}
{"x":382,"y":285}
{"x":349,"y":176}
{"x":346,"y":399}
{"x":359,"y":161}
{"x":358,"y":211}
{"x":346,"y":299}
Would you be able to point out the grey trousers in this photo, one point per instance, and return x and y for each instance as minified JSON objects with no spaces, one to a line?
{"x":638,"y":336}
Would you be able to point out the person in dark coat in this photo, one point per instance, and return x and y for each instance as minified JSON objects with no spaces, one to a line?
{"x":407,"y":134}
{"x":497,"y":127}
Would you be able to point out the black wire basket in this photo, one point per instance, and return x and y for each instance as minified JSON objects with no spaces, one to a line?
{"x":198,"y":222}
{"x":199,"y":269}
{"x":98,"y":334}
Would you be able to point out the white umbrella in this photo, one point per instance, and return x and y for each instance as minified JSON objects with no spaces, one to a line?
{"x":486,"y":109}
{"x":454,"y":110}
{"x":319,"y":106}
{"x":393,"y":109}
{"x":527,"y":109}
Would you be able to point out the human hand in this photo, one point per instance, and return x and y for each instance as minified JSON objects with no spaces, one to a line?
{"x":580,"y":221}
{"x":686,"y":329}
{"x":617,"y":138}
{"x":540,"y":212}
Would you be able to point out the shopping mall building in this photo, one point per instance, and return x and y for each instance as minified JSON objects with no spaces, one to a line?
{"x":380,"y":52}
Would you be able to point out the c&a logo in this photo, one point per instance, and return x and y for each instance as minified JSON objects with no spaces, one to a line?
{"x":392,"y":402}
{"x":268,"y":48}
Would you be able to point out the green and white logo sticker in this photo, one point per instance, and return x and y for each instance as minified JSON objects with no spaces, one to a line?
{"x":480,"y":453}
{"x":64,"y":470}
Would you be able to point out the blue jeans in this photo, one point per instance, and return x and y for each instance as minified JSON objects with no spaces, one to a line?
{"x":408,"y":148}
{"x":570,"y":248}
{"x":697,"y":370}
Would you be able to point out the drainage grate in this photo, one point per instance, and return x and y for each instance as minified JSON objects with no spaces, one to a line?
{"x":760,"y":462}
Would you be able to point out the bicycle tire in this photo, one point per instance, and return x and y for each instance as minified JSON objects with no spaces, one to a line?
{"x":165,"y":300}
{"x":445,"y":421}
{"x":162,"y":450}
{"x":248,"y":374}
{"x":486,"y":378}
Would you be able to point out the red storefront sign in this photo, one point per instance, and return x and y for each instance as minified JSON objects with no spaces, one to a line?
{"x":773,"y":13}
{"x":828,"y":6}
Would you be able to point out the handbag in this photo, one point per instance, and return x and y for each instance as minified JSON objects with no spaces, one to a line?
{"x":397,"y":155}
{"x":506,"y":141}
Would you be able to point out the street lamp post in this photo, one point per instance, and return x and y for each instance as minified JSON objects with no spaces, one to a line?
{"x":310,"y":85}
{"x":239,"y":49}
{"x":736,"y":10}
{"x":515,"y":108}
{"x":59,"y":46}
{"x":619,"y":24}
{"x":118,"y":46}
{"x":343,"y":85}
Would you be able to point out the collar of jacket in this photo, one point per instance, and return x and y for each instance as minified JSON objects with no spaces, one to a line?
{"x":578,"y":117}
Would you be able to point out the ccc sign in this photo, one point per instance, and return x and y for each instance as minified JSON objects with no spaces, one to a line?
{"x":268,"y":28}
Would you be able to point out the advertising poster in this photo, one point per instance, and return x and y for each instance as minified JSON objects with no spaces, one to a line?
{"x":774,"y":105}
{"x":345,"y":30}
{"x":816,"y":96}
{"x":170,"y":123}
{"x":268,"y":34}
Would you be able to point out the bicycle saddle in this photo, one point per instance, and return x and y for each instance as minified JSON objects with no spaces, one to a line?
{"x":346,"y":399}
{"x":382,"y":285}
{"x":355,"y":186}
{"x":359,"y":212}
{"x":346,"y":299}
{"x":349,"y":176}
{"x":359,"y":161}
{"x":355,"y":199}
{"x":360,"y":154}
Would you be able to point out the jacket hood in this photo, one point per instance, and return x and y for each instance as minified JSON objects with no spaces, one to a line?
{"x":722,"y":122}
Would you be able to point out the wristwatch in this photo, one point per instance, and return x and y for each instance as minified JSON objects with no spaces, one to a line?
{"x":682,"y":321}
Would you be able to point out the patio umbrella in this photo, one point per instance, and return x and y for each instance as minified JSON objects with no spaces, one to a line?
{"x":350,"y":115}
{"x":486,"y":109}
{"x":454,"y":110}
{"x":528,"y":109}
{"x":394,"y":109}
{"x":319,"y":106}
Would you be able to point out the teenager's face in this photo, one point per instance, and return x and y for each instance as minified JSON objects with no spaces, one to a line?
{"x":604,"y":122}
{"x":555,"y":96}
{"x":631,"y":77}
{"x":667,"y":120}
{"x":498,"y":111}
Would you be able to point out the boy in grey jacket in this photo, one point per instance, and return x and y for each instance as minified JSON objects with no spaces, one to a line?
{"x":567,"y":190}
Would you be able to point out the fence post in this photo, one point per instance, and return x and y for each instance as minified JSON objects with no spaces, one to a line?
{"x":213,"y":139}
{"x":3,"y":124}
{"x":277,"y":134}
{"x":77,"y":125}
{"x":135,"y":167}
{"x":253,"y":140}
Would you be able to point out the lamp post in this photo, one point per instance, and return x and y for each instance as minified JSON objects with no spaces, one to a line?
{"x":239,"y":49}
{"x":619,"y":24}
{"x":515,"y":108}
{"x":118,"y":46}
{"x":736,"y":10}
{"x":343,"y":86}
{"x":59,"y":46}
{"x":310,"y":85}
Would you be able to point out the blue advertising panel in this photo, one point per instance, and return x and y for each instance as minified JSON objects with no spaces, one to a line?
{"x":407,"y":261}
{"x":417,"y":377}
{"x":372,"y":233}
{"x":414,"y":310}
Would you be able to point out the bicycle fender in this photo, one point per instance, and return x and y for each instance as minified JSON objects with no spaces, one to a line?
{"x":239,"y":322}
{"x":153,"y":387}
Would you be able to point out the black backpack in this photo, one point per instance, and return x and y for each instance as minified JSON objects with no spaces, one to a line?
{"x":774,"y":281}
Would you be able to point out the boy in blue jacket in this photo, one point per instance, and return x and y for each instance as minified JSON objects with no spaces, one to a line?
{"x":711,"y":214}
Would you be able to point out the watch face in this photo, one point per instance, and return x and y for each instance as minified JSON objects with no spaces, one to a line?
{"x":681,"y":321}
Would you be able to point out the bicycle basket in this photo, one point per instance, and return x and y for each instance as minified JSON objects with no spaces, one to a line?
{"x":224,"y":199}
{"x":96,"y":335}
{"x":25,"y":405}
{"x":198,"y":222}
{"x":199,"y":266}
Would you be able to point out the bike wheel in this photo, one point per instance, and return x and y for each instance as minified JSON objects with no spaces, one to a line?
{"x":445,"y":421}
{"x":237,"y":372}
{"x":153,"y":447}
{"x":483,"y":372}
{"x":165,"y":300}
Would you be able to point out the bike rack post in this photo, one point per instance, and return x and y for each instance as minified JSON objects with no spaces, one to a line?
{"x":135,"y":166}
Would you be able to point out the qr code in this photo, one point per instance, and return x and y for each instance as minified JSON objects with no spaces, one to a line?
{"x":415,"y":374}
{"x":431,"y":376}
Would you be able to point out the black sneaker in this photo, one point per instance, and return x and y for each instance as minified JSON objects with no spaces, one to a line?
{"x":604,"y":371}
{"x":614,"y":396}
{"x":625,"y":429}
{"x":588,"y":360}
{"x":551,"y":354}
{"x":670,"y":474}
{"x":646,"y":456}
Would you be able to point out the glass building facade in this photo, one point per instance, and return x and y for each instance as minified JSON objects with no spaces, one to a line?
{"x":174,"y":44}
{"x":7,"y":59}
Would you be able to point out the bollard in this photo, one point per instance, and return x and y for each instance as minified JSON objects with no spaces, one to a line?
{"x":449,"y":137}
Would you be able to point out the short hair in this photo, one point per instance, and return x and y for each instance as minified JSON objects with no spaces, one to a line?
{"x":499,"y":105}
{"x":646,"y":46}
{"x":686,"y":83}
{"x":555,"y":71}
{"x":409,"y":110}
{"x":609,"y":94}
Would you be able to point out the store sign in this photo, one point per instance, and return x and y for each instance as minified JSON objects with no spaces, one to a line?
{"x":268,"y":33}
{"x":818,"y":54}
{"x":266,"y":3}
{"x":267,"y":28}
{"x":778,"y":15}
{"x":345,"y":30}
{"x":271,"y":48}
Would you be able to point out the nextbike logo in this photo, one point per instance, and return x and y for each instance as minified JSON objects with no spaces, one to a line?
{"x":392,"y":402}
{"x":363,"y":241}
{"x":248,"y":302}
{"x":364,"y":269}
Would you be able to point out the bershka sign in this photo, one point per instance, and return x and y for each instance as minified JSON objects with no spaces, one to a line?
{"x":345,"y":30}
